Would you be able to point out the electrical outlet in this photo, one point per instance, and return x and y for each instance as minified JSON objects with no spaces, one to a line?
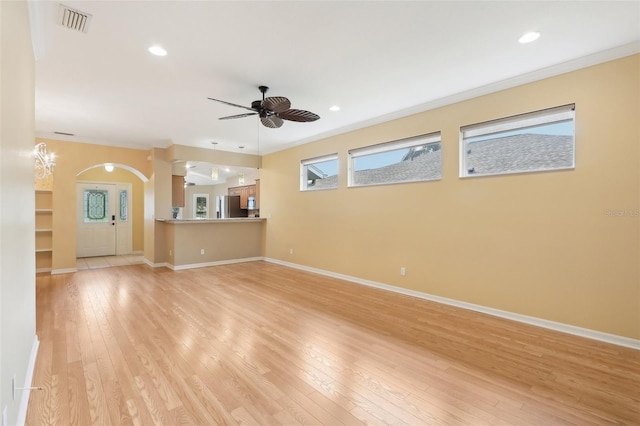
{"x":290,"y":251}
{"x":403,"y":271}
{"x":201,"y":251}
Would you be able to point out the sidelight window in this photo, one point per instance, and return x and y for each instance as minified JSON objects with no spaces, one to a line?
{"x":124,"y":205}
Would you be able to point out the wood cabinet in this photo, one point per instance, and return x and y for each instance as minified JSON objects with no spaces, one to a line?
{"x":244,"y":192}
{"x":177,"y":191}
{"x":44,"y":230}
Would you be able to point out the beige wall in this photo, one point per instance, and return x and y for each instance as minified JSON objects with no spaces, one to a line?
{"x":157,"y":206}
{"x":17,"y":221}
{"x":73,"y":158}
{"x":221,"y":241}
{"x":119,"y":175}
{"x":537,"y":244}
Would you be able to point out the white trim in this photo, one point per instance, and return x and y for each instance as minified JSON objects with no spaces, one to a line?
{"x":135,"y":171}
{"x":411,"y":142}
{"x":320,"y":159}
{"x":215,"y":263}
{"x":155,"y":265}
{"x":42,"y":270}
{"x":525,"y":120}
{"x":63,"y":271}
{"x":539,"y":322}
{"x":24,"y":401}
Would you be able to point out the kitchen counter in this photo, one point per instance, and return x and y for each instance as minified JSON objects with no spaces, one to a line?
{"x":213,"y":220}
{"x":208,"y":242}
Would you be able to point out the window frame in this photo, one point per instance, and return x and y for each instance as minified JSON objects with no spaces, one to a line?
{"x":304,"y":164}
{"x":553,"y":115}
{"x":410,"y":142}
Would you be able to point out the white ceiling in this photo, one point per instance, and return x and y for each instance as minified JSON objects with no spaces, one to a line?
{"x":377,"y":60}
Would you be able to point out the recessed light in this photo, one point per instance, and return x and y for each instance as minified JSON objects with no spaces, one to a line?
{"x":158,"y":51}
{"x":529,"y":37}
{"x":334,"y":108}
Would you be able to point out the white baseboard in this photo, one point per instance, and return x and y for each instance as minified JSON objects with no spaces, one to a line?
{"x":216,"y":263}
{"x":63,"y":271}
{"x":155,"y":265}
{"x":24,"y":401}
{"x":539,"y":322}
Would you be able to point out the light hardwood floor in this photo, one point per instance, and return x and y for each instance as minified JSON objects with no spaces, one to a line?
{"x":258,"y":343}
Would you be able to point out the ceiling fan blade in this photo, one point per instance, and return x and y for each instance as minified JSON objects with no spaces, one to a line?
{"x":276,"y":103}
{"x":229,"y":103}
{"x":238,"y":116}
{"x":298,"y":115}
{"x":271,"y":121}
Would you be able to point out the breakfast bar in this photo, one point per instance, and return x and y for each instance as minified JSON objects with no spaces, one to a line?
{"x":194,"y":243}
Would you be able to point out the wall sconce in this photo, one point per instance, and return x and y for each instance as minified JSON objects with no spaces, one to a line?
{"x":108,"y":167}
{"x":241,"y":179}
{"x":44,"y":162}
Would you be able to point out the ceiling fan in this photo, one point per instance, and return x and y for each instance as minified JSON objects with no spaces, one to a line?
{"x":272,"y":110}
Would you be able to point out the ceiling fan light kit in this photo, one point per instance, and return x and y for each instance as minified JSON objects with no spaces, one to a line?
{"x":272,"y":110}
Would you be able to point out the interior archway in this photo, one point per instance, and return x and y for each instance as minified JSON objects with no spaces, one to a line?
{"x":121,"y":177}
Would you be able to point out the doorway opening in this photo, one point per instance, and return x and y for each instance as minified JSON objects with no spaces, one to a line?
{"x":104,"y":223}
{"x":109,"y":211}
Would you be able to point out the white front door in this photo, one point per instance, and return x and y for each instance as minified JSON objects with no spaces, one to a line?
{"x":96,"y":213}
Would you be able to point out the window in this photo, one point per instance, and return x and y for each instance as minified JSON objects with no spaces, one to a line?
{"x":536,"y":141}
{"x":124,"y":205}
{"x":319,"y":173}
{"x":200,"y":206}
{"x":95,"y":205}
{"x":407,"y":160}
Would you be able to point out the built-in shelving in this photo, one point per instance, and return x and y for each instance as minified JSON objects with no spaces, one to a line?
{"x":44,"y":230}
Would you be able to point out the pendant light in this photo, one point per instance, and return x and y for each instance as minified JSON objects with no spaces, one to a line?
{"x":241,"y":176}
{"x":214,"y":169}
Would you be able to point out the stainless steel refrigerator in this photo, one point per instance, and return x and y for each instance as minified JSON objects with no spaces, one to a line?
{"x":229,"y":206}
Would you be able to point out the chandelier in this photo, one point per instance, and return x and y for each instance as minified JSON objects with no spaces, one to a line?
{"x":44,"y":162}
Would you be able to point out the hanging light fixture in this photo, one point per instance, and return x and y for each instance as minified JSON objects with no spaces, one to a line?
{"x":44,"y":162}
{"x":214,"y":169}
{"x":241,"y":176}
{"x":258,"y":139}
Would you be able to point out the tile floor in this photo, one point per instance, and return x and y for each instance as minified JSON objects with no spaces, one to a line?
{"x":107,"y":261}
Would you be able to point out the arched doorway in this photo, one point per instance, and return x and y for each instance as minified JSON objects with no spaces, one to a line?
{"x":110,"y":216}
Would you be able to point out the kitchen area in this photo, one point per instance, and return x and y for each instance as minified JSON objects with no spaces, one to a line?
{"x":215,"y":216}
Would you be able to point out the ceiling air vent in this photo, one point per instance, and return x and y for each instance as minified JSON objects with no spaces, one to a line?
{"x":73,"y":19}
